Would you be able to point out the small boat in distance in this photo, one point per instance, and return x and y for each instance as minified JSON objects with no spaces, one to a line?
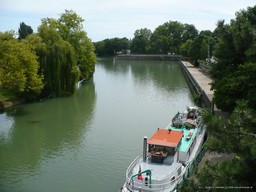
{"x":167,"y":155}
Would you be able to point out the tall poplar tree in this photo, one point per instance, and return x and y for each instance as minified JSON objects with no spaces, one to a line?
{"x":24,"y":30}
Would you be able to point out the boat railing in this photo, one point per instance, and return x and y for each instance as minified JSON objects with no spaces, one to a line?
{"x":129,"y":169}
{"x":170,"y":181}
{"x":160,"y":185}
{"x":135,"y":185}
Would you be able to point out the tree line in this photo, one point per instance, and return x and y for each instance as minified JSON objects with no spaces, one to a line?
{"x":171,"y":37}
{"x":48,"y":63}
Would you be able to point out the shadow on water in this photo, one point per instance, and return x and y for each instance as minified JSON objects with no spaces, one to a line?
{"x":16,"y":111}
{"x":40,"y":130}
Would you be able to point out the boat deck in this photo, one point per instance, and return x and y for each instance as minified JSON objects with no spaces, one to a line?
{"x":185,"y":143}
{"x":159,"y":171}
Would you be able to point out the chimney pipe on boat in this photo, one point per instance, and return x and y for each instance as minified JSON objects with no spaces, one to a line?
{"x":145,"y":148}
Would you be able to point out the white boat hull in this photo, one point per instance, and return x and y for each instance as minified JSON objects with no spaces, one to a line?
{"x":167,"y":174}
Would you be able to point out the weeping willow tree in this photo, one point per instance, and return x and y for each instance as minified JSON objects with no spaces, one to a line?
{"x":65,"y":53}
{"x":70,"y":28}
{"x":58,"y":63}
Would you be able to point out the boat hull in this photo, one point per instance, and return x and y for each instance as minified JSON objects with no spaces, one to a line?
{"x":168,"y":173}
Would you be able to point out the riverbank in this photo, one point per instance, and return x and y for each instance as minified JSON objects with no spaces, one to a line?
{"x":148,"y":57}
{"x":8,"y":99}
{"x":201,"y":83}
{"x":9,"y":103}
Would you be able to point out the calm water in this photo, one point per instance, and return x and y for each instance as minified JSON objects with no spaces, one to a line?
{"x":85,"y":142}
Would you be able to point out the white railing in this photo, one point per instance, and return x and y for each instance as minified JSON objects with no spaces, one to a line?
{"x":168,"y":182}
{"x":131,"y":166}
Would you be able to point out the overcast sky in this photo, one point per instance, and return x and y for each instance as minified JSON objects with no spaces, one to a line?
{"x":120,"y":18}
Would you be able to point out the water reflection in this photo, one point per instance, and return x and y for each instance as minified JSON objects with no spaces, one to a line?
{"x":34,"y":132}
{"x":5,"y":127}
{"x":112,"y":66}
{"x":70,"y":144}
{"x":158,"y":72}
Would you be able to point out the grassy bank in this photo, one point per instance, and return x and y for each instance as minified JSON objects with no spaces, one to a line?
{"x":9,"y":99}
{"x":7,"y":95}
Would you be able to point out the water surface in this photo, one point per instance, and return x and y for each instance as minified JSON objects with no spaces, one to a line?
{"x":86,"y":141}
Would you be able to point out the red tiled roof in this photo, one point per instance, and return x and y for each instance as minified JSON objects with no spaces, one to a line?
{"x":163,"y":137}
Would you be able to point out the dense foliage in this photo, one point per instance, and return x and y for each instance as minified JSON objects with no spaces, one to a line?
{"x":67,"y":55}
{"x":111,"y":47}
{"x":234,"y":74}
{"x":234,"y":91}
{"x":169,"y":38}
{"x":141,"y":42}
{"x":19,"y":67}
{"x":48,"y":63}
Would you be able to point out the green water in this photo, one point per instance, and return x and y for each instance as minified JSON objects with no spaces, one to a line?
{"x":85,"y":142}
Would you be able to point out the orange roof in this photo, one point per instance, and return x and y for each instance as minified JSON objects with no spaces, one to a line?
{"x":162,"y":137}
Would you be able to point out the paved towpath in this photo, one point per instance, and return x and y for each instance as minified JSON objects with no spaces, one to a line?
{"x":204,"y":81}
{"x":201,"y":78}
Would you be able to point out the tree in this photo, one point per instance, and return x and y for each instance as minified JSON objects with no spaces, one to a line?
{"x":204,"y":49}
{"x":169,"y":37}
{"x":185,"y":47}
{"x":140,"y":42}
{"x":235,"y":53}
{"x":71,"y":29}
{"x":65,"y":53}
{"x":24,"y":30}
{"x":19,"y":68}
{"x":100,"y":48}
{"x":189,"y":32}
{"x":58,"y":62}
{"x":161,"y":44}
{"x":110,"y":47}
{"x":194,"y":51}
{"x":200,"y":46}
{"x":234,"y":134}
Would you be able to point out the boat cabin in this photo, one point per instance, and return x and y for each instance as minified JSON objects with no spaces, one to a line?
{"x":163,"y":145}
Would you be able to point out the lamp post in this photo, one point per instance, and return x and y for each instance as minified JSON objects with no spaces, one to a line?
{"x":208,"y":51}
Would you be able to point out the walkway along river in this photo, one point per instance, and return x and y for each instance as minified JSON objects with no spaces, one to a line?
{"x":200,"y":82}
{"x":86,"y":141}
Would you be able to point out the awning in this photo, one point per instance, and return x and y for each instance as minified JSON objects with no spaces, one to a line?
{"x":164,"y":137}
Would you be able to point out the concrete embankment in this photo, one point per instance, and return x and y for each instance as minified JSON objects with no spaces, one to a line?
{"x":148,"y":57}
{"x":200,"y":81}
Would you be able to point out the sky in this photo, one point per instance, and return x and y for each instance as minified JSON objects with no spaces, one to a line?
{"x":121,"y":18}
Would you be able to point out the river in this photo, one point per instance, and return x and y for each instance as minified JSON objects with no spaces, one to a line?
{"x":85,"y":142}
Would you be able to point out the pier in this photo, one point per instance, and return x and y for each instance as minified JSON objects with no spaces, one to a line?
{"x":200,"y":81}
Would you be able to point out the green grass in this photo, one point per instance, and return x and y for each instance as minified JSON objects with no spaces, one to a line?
{"x":7,"y":95}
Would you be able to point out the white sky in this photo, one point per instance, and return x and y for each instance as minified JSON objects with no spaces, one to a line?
{"x":120,"y":18}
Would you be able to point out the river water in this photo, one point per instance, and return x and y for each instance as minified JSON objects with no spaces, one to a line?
{"x":85,"y":142}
